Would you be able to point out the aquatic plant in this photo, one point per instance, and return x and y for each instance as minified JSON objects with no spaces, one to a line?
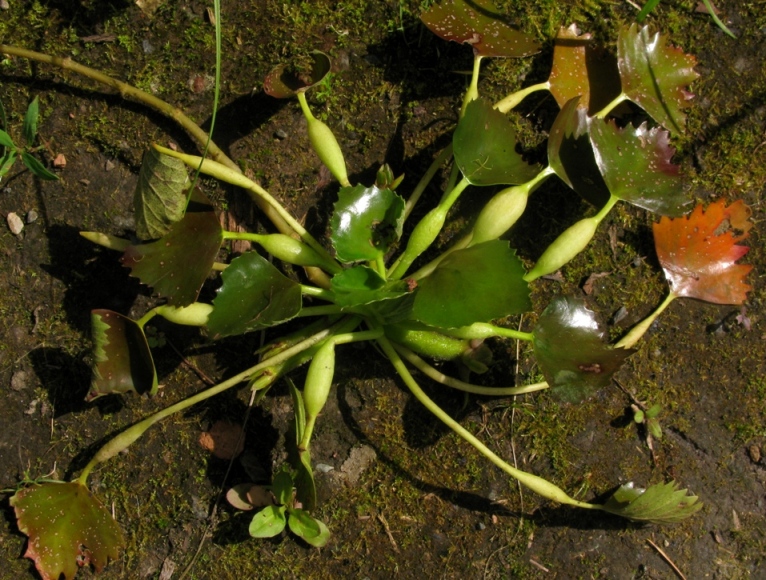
{"x":373,"y":284}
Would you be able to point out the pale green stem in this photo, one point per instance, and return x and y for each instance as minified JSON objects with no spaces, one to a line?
{"x":514,"y":99}
{"x":481,"y":330}
{"x":295,"y":250}
{"x":222,"y":172}
{"x":533,"y":482}
{"x":611,"y":105}
{"x":107,"y":241}
{"x":315,"y":292}
{"x":472,"y":93}
{"x":426,"y":179}
{"x":635,"y":334}
{"x":448,"y":381}
{"x":132,"y":433}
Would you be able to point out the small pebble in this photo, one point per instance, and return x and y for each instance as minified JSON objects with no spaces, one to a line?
{"x":60,"y":161}
{"x":15,"y":224}
{"x":32,"y":216}
{"x":19,"y":380}
{"x":621,"y":313}
{"x":324,"y":468}
{"x":755,"y":453}
{"x":4,"y":5}
{"x":147,"y":46}
{"x":109,"y":165}
{"x":480,"y":526}
{"x":280,"y":134}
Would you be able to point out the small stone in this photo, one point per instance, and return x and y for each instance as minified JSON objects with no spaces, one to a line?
{"x":755,"y":453}
{"x":480,"y":526}
{"x":4,"y":5}
{"x":19,"y":380}
{"x":15,"y":224}
{"x":324,"y":468}
{"x":146,"y":46}
{"x":280,"y":134}
{"x":32,"y":216}
{"x":109,"y":165}
{"x":59,"y":162}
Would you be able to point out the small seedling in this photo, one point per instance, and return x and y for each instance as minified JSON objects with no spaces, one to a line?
{"x":12,"y":152}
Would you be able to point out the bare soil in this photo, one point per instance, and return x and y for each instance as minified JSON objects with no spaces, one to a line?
{"x":402,"y":496}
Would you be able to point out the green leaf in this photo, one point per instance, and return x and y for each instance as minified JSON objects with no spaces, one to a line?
{"x":159,"y":200}
{"x":571,"y":155}
{"x":30,"y":121}
{"x":37,"y":168}
{"x":7,"y":162}
{"x":570,"y":349}
{"x":580,"y":70}
{"x":362,"y":285}
{"x":177,"y":264}
{"x":122,"y":359}
{"x":663,"y":503}
{"x":476,"y":284}
{"x":305,"y":487}
{"x":282,"y":487}
{"x":484,"y":146}
{"x":67,"y":527}
{"x":268,"y":522}
{"x":655,"y":75}
{"x":477,"y":22}
{"x":286,"y":80}
{"x":311,"y":530}
{"x":636,"y":165}
{"x":6,"y":141}
{"x":366,"y":222}
{"x":254,"y":295}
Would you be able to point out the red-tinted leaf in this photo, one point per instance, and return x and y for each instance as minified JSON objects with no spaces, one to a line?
{"x":699,"y":253}
{"x":477,"y":22}
{"x":122,"y":359}
{"x":570,"y":349}
{"x":636,"y":165}
{"x":67,"y":528}
{"x":177,"y":264}
{"x":579,"y":70}
{"x":655,"y":75}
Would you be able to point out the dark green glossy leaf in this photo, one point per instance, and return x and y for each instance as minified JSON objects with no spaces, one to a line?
{"x":254,"y":295}
{"x":36,"y":167}
{"x":636,"y":165}
{"x":655,"y":75}
{"x":366,"y":222}
{"x":30,"y":121}
{"x":159,"y":200}
{"x":663,"y":503}
{"x":580,"y":70}
{"x":478,"y":23}
{"x":177,"y":264}
{"x":268,"y":522}
{"x":477,"y":284}
{"x":570,"y":349}
{"x":122,"y":359}
{"x":311,"y":530}
{"x":571,"y":155}
{"x":67,"y":527}
{"x":286,"y":80}
{"x":484,"y":145}
{"x":363,"y":285}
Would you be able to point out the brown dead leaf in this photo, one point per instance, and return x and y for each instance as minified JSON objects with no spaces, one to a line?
{"x":587,"y":286}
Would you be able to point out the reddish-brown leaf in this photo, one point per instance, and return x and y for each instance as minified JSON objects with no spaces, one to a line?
{"x":699,"y":253}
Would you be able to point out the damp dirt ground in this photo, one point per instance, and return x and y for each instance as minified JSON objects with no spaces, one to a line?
{"x":402,"y":496}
